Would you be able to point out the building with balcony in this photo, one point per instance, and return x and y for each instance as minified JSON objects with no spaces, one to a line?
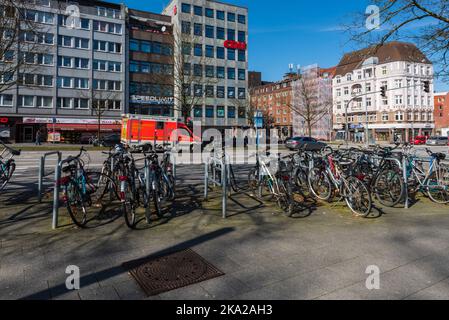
{"x":407,"y":109}
{"x":76,"y":66}
{"x":210,"y":61}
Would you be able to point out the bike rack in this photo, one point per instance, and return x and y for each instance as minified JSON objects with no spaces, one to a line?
{"x":42,"y":174}
{"x":221,"y":165}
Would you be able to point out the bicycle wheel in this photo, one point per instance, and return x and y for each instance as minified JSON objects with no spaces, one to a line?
{"x":320,"y":184}
{"x":302,"y":183}
{"x":76,"y":205}
{"x":130,"y":203}
{"x":284,"y":199}
{"x":357,"y":196}
{"x":6,"y":175}
{"x":438,"y":189}
{"x":253,"y":180}
{"x":389,"y":188}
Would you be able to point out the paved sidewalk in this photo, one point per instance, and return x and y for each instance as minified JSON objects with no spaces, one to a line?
{"x":263,"y":254}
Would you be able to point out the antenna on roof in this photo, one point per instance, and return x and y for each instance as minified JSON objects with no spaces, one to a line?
{"x":290,"y":67}
{"x":298,"y":68}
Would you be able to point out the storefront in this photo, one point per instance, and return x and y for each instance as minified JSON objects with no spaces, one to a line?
{"x":151,"y":105}
{"x":65,"y":130}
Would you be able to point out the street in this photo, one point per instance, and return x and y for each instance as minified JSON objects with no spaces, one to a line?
{"x":322,"y":253}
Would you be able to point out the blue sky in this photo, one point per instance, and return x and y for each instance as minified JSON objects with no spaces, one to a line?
{"x":297,"y":31}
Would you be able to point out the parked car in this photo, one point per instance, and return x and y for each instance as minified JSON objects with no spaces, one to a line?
{"x":437,"y":141}
{"x":419,"y":140}
{"x":87,"y":138}
{"x":109,"y":140}
{"x":297,"y":143}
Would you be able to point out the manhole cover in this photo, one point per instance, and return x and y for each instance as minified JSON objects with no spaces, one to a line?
{"x":172,"y":271}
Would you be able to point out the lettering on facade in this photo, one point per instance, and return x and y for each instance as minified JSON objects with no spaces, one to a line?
{"x":152,"y":100}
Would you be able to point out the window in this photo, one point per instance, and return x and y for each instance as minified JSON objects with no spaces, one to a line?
{"x":368,"y":87}
{"x":231,"y":112}
{"x":220,"y":33}
{"x":134,"y":45}
{"x":198,"y":90}
{"x":26,"y":101}
{"x":220,"y":92}
{"x":186,"y":8}
{"x":242,"y":74}
{"x":241,"y":19}
{"x":231,"y":17}
{"x":231,"y":34}
{"x":44,"y":102}
{"x":220,"y":15}
{"x":44,"y":80}
{"x":242,"y":55}
{"x":81,"y":103}
{"x":198,"y":29}
{"x":209,"y":111}
{"x":45,"y":59}
{"x":220,"y":53}
{"x":81,"y":83}
{"x":399,"y":116}
{"x":398,"y":99}
{"x":186,"y":27}
{"x":349,"y":77}
{"x":242,"y":36}
{"x":368,"y":102}
{"x":231,"y":73}
{"x":186,"y":48}
{"x":385,"y":117}
{"x":209,"y":13}
{"x":210,"y":91}
{"x":9,"y":56}
{"x":198,"y":112}
{"x":6,"y":100}
{"x":209,"y":31}
{"x":210,"y":71}
{"x":198,"y":70}
{"x":197,"y":10}
{"x":384,"y":70}
{"x":209,"y":51}
{"x":198,"y":50}
{"x":220,"y":72}
{"x":64,"y":103}
{"x":187,"y":69}
{"x":64,"y":82}
{"x":231,"y":92}
{"x":242,"y":93}
{"x":81,"y":43}
{"x":220,"y":112}
{"x":231,"y":54}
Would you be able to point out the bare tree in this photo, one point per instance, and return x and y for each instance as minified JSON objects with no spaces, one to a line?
{"x":190,"y":72}
{"x":424,"y":22}
{"x":22,"y":40}
{"x":101,"y":103}
{"x":311,"y":100}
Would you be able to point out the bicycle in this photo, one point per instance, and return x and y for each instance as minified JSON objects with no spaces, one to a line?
{"x":334,"y":173}
{"x":7,"y":164}
{"x":84,"y":190}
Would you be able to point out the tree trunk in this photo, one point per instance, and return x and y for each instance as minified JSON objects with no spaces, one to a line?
{"x":309,"y":128}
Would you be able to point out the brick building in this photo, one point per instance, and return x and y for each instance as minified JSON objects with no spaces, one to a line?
{"x":441,"y":114}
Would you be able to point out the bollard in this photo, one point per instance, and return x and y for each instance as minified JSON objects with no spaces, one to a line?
{"x":41,"y":178}
{"x":225,"y":189}
{"x":56,"y":195}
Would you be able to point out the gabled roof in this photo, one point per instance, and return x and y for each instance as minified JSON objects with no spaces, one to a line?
{"x":389,"y":52}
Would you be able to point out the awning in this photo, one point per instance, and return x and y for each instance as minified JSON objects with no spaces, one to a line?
{"x":84,"y":127}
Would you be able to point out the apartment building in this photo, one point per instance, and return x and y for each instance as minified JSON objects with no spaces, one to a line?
{"x":441,"y":114}
{"x":211,"y":48}
{"x":79,"y":65}
{"x":275,"y":101}
{"x":406,"y":110}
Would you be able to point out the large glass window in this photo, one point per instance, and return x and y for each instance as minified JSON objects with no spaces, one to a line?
{"x":231,"y":17}
{"x":209,"y":12}
{"x":231,"y":54}
{"x":231,"y":92}
{"x":198,"y":51}
{"x":231,"y":73}
{"x":231,"y":112}
{"x":186,"y":8}
{"x":209,"y":31}
{"x":220,"y":92}
{"x":134,"y":45}
{"x":197,"y":10}
{"x":220,"y":72}
{"x":231,"y":34}
{"x":210,"y":71}
{"x":220,"y":53}
{"x":220,"y":15}
{"x":210,"y":51}
{"x":220,"y":33}
{"x":198,"y":29}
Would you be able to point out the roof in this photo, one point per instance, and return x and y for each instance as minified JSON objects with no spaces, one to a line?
{"x":389,"y":52}
{"x":440,"y":94}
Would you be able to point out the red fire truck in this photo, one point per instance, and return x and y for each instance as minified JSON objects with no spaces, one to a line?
{"x":162,"y":132}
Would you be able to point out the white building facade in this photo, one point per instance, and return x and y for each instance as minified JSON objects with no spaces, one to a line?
{"x":406,"y":110}
{"x":218,"y":51}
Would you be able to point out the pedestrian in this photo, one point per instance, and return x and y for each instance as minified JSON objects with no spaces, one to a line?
{"x":38,"y":137}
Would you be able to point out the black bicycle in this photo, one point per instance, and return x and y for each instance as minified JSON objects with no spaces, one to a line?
{"x":7,"y":164}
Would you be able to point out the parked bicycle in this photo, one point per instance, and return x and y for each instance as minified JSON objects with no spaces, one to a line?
{"x":7,"y":164}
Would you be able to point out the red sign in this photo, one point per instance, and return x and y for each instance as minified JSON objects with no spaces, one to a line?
{"x":231,"y":44}
{"x":3,"y":120}
{"x":175,"y":10}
